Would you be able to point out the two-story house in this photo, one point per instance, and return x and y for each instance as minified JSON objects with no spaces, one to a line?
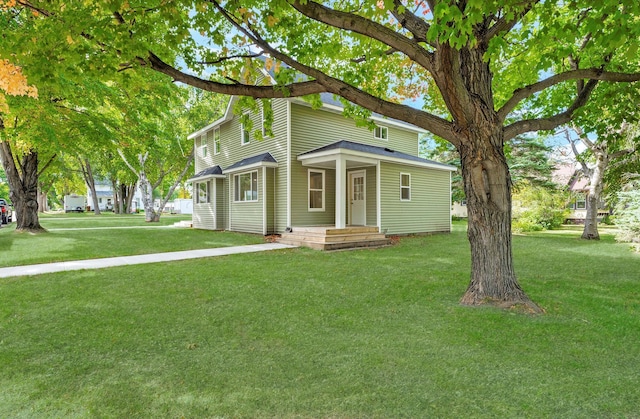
{"x":316,"y":169}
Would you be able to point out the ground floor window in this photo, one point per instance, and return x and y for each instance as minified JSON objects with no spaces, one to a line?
{"x":405,"y":187}
{"x":203,"y":190}
{"x":246,"y":187}
{"x":316,"y":190}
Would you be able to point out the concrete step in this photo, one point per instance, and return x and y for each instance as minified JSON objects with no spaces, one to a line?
{"x":337,"y":238}
{"x":350,"y":244}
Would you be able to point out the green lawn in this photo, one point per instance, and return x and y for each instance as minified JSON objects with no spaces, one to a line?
{"x":86,"y":236}
{"x":306,"y":334}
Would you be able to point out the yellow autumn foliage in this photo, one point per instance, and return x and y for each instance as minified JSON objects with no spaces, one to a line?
{"x":14,"y":83}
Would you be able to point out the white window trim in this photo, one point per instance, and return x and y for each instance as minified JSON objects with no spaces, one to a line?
{"x":405,"y":187}
{"x":235,"y":185}
{"x":242,"y":131}
{"x":264,"y":130}
{"x":382,"y":129}
{"x":217,"y":147}
{"x":324,"y":188}
{"x":203,"y":149}
{"x":208,"y":193}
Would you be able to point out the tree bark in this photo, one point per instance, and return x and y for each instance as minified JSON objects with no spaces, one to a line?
{"x":487,"y":185}
{"x":43,"y":191}
{"x":87,"y":173}
{"x":23,"y":187}
{"x":596,"y":180}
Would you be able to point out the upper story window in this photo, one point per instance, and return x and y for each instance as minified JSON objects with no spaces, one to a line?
{"x":581,"y":202}
{"x":202,"y":146}
{"x":246,"y":187}
{"x":405,"y":187}
{"x":246,"y":138}
{"x":216,"y":141}
{"x":316,"y":190}
{"x":267,"y":118}
{"x":203,"y":192}
{"x":381,"y":133}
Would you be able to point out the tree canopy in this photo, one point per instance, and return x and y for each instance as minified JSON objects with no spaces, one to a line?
{"x":485,"y":71}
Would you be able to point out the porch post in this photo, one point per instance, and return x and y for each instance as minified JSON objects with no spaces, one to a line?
{"x":341,"y":195}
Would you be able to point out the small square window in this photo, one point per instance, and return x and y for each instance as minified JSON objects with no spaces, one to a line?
{"x":381,"y":133}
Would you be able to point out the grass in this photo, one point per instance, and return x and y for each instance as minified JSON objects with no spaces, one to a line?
{"x":85,"y":236}
{"x":306,"y":334}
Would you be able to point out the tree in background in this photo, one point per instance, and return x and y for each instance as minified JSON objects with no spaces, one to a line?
{"x":608,"y":130}
{"x":479,"y":66}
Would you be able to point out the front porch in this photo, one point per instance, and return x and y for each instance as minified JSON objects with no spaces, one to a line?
{"x":333,"y":238}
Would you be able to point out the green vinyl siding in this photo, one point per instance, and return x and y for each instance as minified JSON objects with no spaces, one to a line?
{"x":203,"y":213}
{"x":372,"y":216}
{"x":311,"y":129}
{"x":246,"y":216}
{"x":279,"y":152}
{"x":300,"y":214}
{"x":429,"y":208}
{"x":270,"y":197}
{"x":221,"y":204}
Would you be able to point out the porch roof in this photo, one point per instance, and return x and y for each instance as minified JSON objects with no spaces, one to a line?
{"x":366,"y":154}
{"x":265,"y":159}
{"x":209,"y":172}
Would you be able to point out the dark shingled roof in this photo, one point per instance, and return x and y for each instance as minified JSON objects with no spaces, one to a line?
{"x":214,"y":170}
{"x":380,"y":151}
{"x":261,"y":158}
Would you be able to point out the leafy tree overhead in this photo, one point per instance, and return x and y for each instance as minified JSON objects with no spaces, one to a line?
{"x":486,"y":71}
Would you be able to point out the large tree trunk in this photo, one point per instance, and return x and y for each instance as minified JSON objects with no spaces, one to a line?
{"x":116,"y":194}
{"x":23,"y":188}
{"x":466,"y":85}
{"x":488,"y":190}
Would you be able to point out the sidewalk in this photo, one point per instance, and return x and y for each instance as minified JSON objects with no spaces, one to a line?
{"x":76,"y":265}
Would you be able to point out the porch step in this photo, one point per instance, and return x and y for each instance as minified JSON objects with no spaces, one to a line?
{"x":330,"y":238}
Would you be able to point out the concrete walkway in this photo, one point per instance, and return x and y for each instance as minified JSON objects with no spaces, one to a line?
{"x":75,"y":265}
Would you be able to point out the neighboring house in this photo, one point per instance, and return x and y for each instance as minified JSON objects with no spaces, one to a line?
{"x":317,"y":169}
{"x":459,"y":209}
{"x":569,"y":174}
{"x":104,"y":193}
{"x":106,"y":197}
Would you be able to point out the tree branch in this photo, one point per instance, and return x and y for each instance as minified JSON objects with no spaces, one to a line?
{"x":588,"y":73}
{"x":291,"y":90}
{"x":51,"y":160}
{"x":411,"y":22}
{"x":548,"y":124}
{"x":505,"y":25}
{"x":322,"y":83}
{"x":358,"y":24}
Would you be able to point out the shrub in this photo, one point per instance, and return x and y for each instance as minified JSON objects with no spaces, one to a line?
{"x":628,"y":217}
{"x":537,"y":208}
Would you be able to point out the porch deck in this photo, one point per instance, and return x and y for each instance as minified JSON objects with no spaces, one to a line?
{"x":332,"y":238}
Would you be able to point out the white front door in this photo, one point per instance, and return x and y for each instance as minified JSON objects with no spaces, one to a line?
{"x":357,"y":199}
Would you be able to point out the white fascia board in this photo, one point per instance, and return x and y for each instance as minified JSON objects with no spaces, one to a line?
{"x":250,"y":167}
{"x":360,"y":155}
{"x":201,"y":178}
{"x":228,"y":115}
